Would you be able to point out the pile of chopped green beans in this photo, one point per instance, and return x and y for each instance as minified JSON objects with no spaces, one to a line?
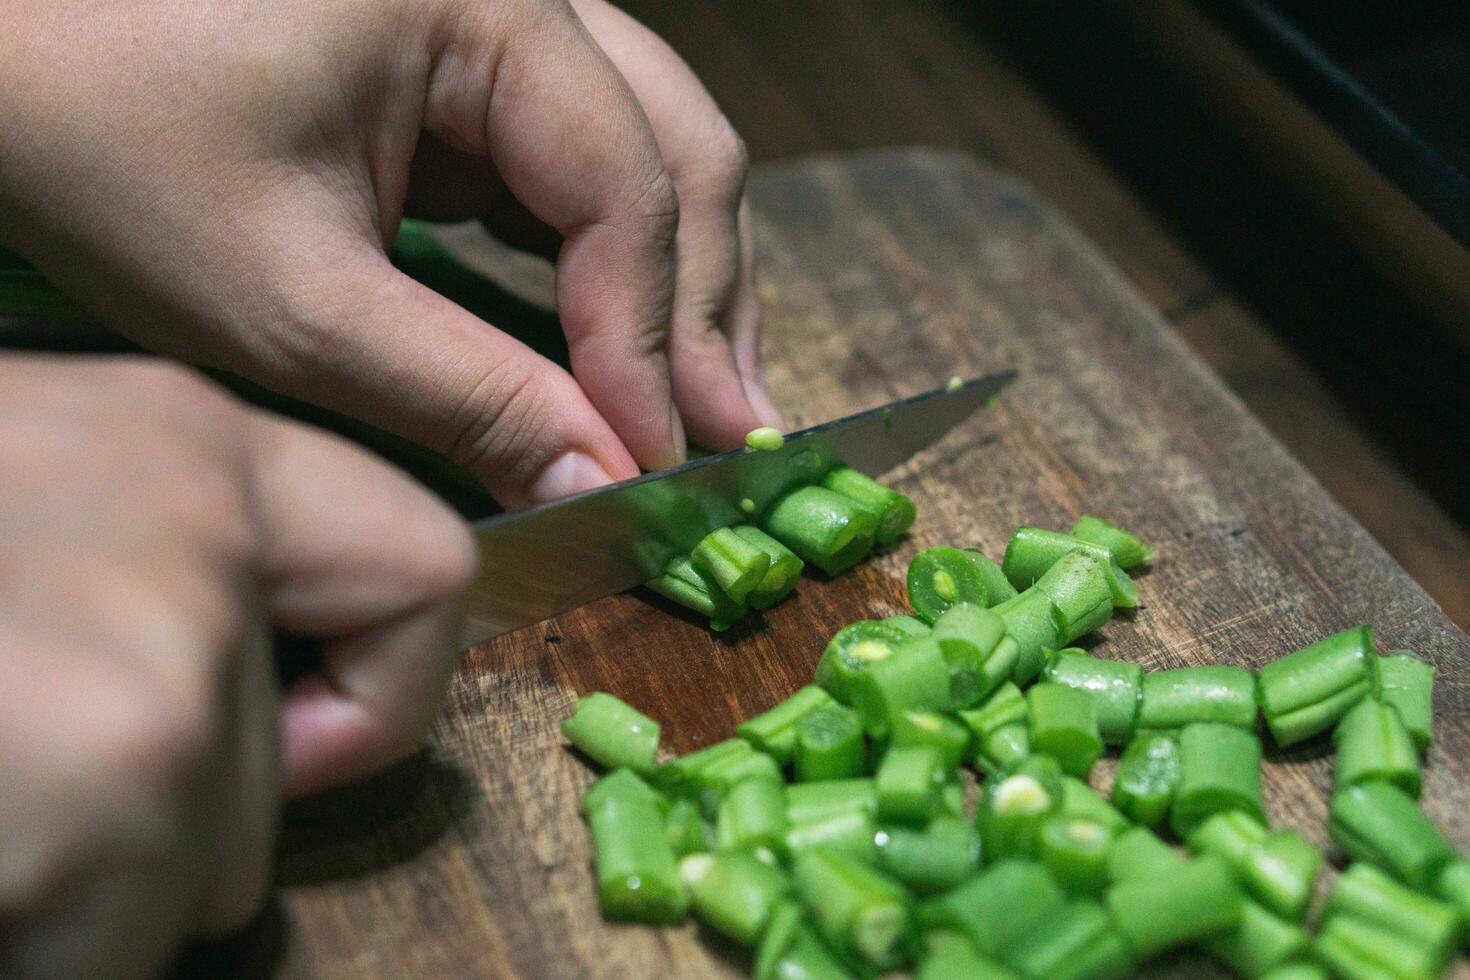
{"x":834,"y":835}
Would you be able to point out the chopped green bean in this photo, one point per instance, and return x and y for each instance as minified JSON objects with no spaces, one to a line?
{"x":1377,"y":823}
{"x":1356,"y":950}
{"x":937,"y":731}
{"x":1196,"y":900}
{"x":997,"y":909}
{"x":1219,"y":769}
{"x":1078,"y":943}
{"x":1078,"y":584}
{"x":681,"y":776}
{"x":1373,"y":744}
{"x":681,"y":582}
{"x":1452,"y":885}
{"x":1148,"y":777}
{"x":621,"y":782}
{"x":1004,"y":747}
{"x":765,"y":439}
{"x":1300,"y":970}
{"x":1262,"y":942}
{"x":852,"y":833}
{"x":829,"y":744}
{"x":908,"y":783}
{"x":1279,"y":868}
{"x":1128,"y":551}
{"x":774,"y":731}
{"x":860,"y":912}
{"x":1364,"y":893}
{"x":998,"y":588}
{"x":611,"y":733}
{"x":824,"y":528}
{"x":1080,"y":801}
{"x":778,"y":936}
{"x":734,"y":564}
{"x":962,"y":964}
{"x":1035,"y":623}
{"x":1138,"y":852}
{"x":1115,"y":687}
{"x":1407,"y":683}
{"x":1032,"y":551}
{"x":915,"y":676}
{"x":752,"y":814}
{"x":637,"y":879}
{"x":941,"y":577}
{"x":909,"y":625}
{"x":935,"y":859}
{"x":734,"y":893}
{"x":970,"y":637}
{"x":782,"y":574}
{"x":1075,"y":851}
{"x":808,"y":802}
{"x":714,"y":781}
{"x":686,"y":830}
{"x":851,"y":650}
{"x":1308,"y":691}
{"x":1015,"y":805}
{"x":894,"y":511}
{"x":808,"y":959}
{"x":1174,"y":698}
{"x":1064,"y":726}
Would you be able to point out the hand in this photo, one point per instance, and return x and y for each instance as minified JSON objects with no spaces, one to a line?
{"x":153,"y":533}
{"x":219,"y":180}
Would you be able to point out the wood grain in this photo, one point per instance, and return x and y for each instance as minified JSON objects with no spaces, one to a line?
{"x":883,"y":275}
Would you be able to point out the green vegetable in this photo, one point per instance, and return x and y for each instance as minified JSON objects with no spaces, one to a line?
{"x":1310,"y":690}
{"x":1365,"y":894}
{"x":1278,"y":868}
{"x":998,"y":588}
{"x":970,"y":637}
{"x":1453,"y":886}
{"x":1138,"y":852}
{"x":1358,"y":950}
{"x":1373,"y":744}
{"x":894,"y":511}
{"x":782,"y":927}
{"x":731,"y":562}
{"x":908,"y":625}
{"x":1075,"y":851}
{"x":1174,"y":698}
{"x":1378,"y":824}
{"x":1035,"y":623}
{"x":751,"y":815}
{"x":621,"y":782}
{"x":1194,"y":901}
{"x":1064,"y":726}
{"x":1079,"y":584}
{"x":1407,"y":683}
{"x":1016,"y":804}
{"x":946,"y":735}
{"x":686,"y":831}
{"x":765,"y":439}
{"x":611,"y":733}
{"x":915,"y":676}
{"x":908,"y":784}
{"x":1077,"y":943}
{"x":806,"y":959}
{"x":937,"y":858}
{"x":1115,"y":687}
{"x":734,"y":893}
{"x":998,"y":909}
{"x":1000,"y":724}
{"x":781,"y":575}
{"x":809,"y":802}
{"x":852,"y":650}
{"x":851,"y":833}
{"x":824,"y":528}
{"x":1219,"y":770}
{"x":637,"y":880}
{"x":939,"y":578}
{"x":1032,"y":551}
{"x":829,"y":744}
{"x":1148,"y":777}
{"x":774,"y":731}
{"x":1262,"y":942}
{"x":1127,"y":550}
{"x":681,"y":582}
{"x":858,"y":911}
{"x":1080,"y":801}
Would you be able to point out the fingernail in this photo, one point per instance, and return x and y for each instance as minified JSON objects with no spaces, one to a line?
{"x":569,"y":473}
{"x":680,"y":447}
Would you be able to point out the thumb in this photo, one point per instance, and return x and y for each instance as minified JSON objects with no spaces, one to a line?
{"x":400,"y":356}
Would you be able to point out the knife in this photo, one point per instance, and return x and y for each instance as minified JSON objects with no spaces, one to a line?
{"x":544,"y":560}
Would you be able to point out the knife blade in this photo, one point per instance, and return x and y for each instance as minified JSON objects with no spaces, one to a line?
{"x":544,"y":560}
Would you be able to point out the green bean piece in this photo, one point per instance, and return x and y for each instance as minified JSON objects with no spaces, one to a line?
{"x":852,"y":833}
{"x":808,"y":802}
{"x":1000,"y":726}
{"x":894,"y":511}
{"x":714,"y":782}
{"x":733,"y":893}
{"x":1300,"y":970}
{"x":915,"y":676}
{"x":1064,"y":726}
{"x":1308,"y":691}
{"x":1035,"y":624}
{"x":1032,"y":551}
{"x":1138,"y":852}
{"x":735,"y":565}
{"x":1127,"y":550}
{"x":909,"y":625}
{"x":774,"y":731}
{"x":1174,"y":698}
{"x":935,"y":859}
{"x":765,"y":439}
{"x":998,"y":908}
{"x":1194,"y":901}
{"x":936,"y":942}
{"x":1219,"y":769}
{"x":970,"y":637}
{"x":1356,"y":950}
{"x":1379,"y":824}
{"x":908,"y":783}
{"x":621,"y":782}
{"x":1148,"y":777}
{"x":611,"y":733}
{"x":1004,"y":747}
{"x":752,"y":814}
{"x":851,"y":650}
{"x":1078,"y":584}
{"x":1278,"y":868}
{"x":937,"y":731}
{"x":1373,"y":744}
{"x":1364,"y":893}
{"x":686,"y":585}
{"x":1078,"y":943}
{"x":1452,"y":885}
{"x":998,"y":588}
{"x":941,"y":577}
{"x":1407,"y":683}
{"x":1262,"y":942}
{"x":824,"y":528}
{"x":637,"y":879}
{"x":1015,"y":804}
{"x":1075,"y":851}
{"x":686,"y":830}
{"x":1080,"y":801}
{"x":782,"y":573}
{"x":962,"y":964}
{"x":1115,"y":687}
{"x":782,"y":927}
{"x":681,"y":776}
{"x":808,"y":959}
{"x":860,"y":912}
{"x":829,"y":745}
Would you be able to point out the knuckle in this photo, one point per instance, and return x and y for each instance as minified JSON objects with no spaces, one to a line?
{"x":656,"y":206}
{"x":158,"y":740}
{"x":729,"y":160}
{"x":500,"y":427}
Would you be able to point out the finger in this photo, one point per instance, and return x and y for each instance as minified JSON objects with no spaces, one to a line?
{"x":707,"y":162}
{"x":447,"y":185}
{"x":360,"y":557}
{"x":524,"y":85}
{"x":743,"y":326}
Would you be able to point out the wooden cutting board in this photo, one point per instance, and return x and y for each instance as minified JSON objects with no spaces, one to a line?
{"x":881,"y":275}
